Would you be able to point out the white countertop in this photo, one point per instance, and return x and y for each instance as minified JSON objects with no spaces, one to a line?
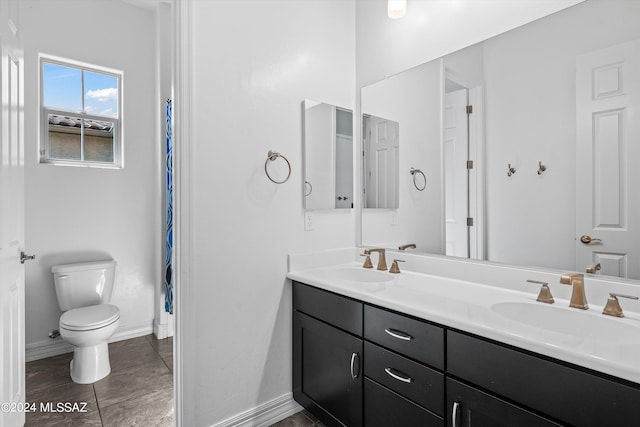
{"x":609,"y":345}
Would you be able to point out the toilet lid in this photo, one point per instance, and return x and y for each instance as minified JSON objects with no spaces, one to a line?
{"x":91,"y":317}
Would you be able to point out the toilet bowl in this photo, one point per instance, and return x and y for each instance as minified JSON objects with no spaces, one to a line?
{"x":84,"y":291}
{"x":88,"y":329}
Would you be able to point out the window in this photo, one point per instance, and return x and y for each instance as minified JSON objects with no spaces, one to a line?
{"x":80,"y":119}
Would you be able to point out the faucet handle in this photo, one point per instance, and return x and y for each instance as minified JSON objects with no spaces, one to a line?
{"x":613,"y":305}
{"x":593,"y":268}
{"x":394,"y":266}
{"x":545,"y":293}
{"x":407,"y":246}
{"x":367,"y":260}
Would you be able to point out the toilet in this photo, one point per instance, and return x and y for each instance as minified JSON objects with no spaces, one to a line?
{"x":84,"y":292}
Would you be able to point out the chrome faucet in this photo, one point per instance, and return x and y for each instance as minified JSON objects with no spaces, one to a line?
{"x":382,"y":261}
{"x":578,"y":297}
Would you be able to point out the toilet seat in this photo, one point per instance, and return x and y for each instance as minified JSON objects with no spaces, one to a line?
{"x":89,"y":318}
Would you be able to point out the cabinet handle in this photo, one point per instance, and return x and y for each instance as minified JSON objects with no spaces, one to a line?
{"x":454,"y":414}
{"x":404,"y":378}
{"x":354,"y":374}
{"x":398,"y":334}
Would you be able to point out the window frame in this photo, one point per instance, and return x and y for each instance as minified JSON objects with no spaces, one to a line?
{"x":44,"y":149}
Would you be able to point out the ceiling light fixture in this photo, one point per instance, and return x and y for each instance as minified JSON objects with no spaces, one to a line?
{"x":396,"y":8}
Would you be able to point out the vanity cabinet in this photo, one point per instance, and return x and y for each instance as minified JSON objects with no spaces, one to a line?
{"x":356,"y":365}
{"x":328,"y":355}
{"x":360,"y":365}
{"x":561,"y":391}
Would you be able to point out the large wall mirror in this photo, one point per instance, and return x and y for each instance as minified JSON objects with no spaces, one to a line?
{"x":541,"y":170}
{"x":328,"y":156}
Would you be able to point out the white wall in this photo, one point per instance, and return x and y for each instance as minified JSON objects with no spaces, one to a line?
{"x":531,"y":218}
{"x":80,"y":214}
{"x":432,"y":29}
{"x":254,"y":63}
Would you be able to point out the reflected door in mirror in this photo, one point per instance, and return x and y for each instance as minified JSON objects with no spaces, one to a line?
{"x":607,"y":155}
{"x":455,"y":147}
{"x":381,"y":162}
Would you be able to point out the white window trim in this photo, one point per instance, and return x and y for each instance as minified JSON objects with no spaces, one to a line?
{"x":118,"y":140}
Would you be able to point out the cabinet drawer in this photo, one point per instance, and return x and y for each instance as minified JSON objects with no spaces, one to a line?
{"x":412,"y":380}
{"x":410,"y":337}
{"x":334,"y":309}
{"x":565,"y":393}
{"x":385,"y":408}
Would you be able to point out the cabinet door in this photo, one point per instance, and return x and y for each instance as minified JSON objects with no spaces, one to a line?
{"x":327,"y":371}
{"x":563,"y":392}
{"x":469,"y":407}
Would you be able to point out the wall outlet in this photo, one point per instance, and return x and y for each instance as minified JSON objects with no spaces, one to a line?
{"x":308,"y":221}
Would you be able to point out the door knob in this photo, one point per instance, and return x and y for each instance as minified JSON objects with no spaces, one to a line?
{"x":586,"y":239}
{"x":24,"y":257}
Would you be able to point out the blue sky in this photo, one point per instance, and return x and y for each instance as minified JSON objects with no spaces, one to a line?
{"x":63,"y":90}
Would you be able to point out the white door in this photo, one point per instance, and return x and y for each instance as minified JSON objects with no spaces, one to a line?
{"x":607,"y":159}
{"x":12,"y":388}
{"x":383,"y":162}
{"x":456,"y":153}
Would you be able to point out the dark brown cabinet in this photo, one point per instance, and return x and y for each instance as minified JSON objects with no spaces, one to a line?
{"x":560,"y":391}
{"x":355,"y":365}
{"x":329,"y":370}
{"x":328,"y":355}
{"x":470,"y":407}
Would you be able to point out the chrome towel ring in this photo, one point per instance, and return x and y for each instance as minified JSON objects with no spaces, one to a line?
{"x":308,"y":193}
{"x":271,"y":157}
{"x":414,"y":172}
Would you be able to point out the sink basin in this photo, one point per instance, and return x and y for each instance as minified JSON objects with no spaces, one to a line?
{"x":567,"y":321}
{"x":354,"y":274}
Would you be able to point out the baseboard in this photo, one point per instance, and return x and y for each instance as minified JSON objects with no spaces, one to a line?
{"x":54,"y":347}
{"x":163,"y":330}
{"x":265,"y":414}
{"x":132,"y":331}
{"x":44,"y":349}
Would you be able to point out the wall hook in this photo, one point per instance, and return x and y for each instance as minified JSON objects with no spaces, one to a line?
{"x":541,"y":168}
{"x":510,"y":170}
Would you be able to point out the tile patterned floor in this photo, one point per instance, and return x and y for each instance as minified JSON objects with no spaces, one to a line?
{"x":138,"y":392}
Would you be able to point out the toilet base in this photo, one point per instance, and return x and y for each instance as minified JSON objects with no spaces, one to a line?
{"x":90,"y":364}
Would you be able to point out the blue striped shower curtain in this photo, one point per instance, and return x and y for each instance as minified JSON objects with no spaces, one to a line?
{"x":168,"y":274}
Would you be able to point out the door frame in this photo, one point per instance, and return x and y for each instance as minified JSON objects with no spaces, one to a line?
{"x":184,"y":341}
{"x":476,"y":176}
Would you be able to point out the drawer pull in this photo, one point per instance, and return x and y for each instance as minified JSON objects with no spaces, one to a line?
{"x":454,"y":414}
{"x":354,"y":373}
{"x":398,"y":334}
{"x":398,"y":376}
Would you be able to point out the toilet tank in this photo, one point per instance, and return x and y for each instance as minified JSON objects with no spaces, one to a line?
{"x":83,"y":284}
